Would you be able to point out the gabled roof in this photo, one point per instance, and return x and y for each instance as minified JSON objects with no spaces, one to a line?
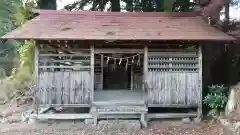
{"x":95,"y":25}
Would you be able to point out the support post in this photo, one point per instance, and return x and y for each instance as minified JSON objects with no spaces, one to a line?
{"x":102,"y":62}
{"x":92,"y":71}
{"x":132,"y":77}
{"x":200,"y":80}
{"x":36,"y":74}
{"x":145,"y":66}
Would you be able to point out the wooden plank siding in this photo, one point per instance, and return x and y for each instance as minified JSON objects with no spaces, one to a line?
{"x":173,"y":78}
{"x":64,"y":78}
{"x":66,"y":87}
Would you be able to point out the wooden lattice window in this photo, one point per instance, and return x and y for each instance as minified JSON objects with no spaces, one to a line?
{"x":173,"y":61}
{"x":75,"y":61}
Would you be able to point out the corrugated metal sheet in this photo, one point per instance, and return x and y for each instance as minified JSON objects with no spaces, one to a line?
{"x":88,"y":25}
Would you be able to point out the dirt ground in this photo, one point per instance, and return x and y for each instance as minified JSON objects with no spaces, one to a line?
{"x":155,"y":128}
{"x":14,"y":126}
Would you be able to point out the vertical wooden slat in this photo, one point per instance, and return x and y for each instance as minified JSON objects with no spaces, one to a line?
{"x":173,"y":85}
{"x":92,"y":71}
{"x":36,"y":59}
{"x":200,"y":80}
{"x":50,"y":89}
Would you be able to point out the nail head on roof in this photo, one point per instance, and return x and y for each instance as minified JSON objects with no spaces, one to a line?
{"x":110,"y":33}
{"x":65,"y":29}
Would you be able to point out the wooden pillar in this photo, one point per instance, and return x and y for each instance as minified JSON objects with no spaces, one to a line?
{"x":92,"y":71}
{"x":200,"y":80}
{"x":145,"y":67}
{"x":36,"y":74}
{"x":132,"y":77}
{"x":102,"y":66}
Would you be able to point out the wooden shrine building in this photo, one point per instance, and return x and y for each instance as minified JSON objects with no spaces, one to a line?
{"x":118,"y":64}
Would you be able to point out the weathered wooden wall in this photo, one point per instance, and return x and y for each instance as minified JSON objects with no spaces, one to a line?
{"x":64,"y":87}
{"x":64,"y":78}
{"x":173,"y":88}
{"x":173,"y":78}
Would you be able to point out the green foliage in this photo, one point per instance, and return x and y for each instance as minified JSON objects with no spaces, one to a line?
{"x":2,"y":73}
{"x":8,"y":56}
{"x":26,"y":53}
{"x":20,"y":76}
{"x":6,"y":10}
{"x":21,"y":15}
{"x":216,"y":99}
{"x":8,"y":49}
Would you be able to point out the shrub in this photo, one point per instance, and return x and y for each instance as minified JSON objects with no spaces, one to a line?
{"x":216,"y":99}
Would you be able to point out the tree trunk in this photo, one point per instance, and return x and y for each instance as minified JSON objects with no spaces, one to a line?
{"x":159,"y":4}
{"x":94,"y":5}
{"x":48,"y":4}
{"x":147,"y":6}
{"x":129,"y":5}
{"x":102,"y":5}
{"x":115,"y":5}
{"x":226,"y":20}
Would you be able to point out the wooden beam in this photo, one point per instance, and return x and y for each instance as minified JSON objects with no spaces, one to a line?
{"x":118,"y":112}
{"x":124,"y":103}
{"x":173,"y":67}
{"x":57,"y":61}
{"x":63,"y":67}
{"x":170,"y":115}
{"x":61,"y":55}
{"x":63,"y":116}
{"x":176,"y":61}
{"x":65,"y":105}
{"x":117,"y":50}
{"x":171,"y":54}
{"x":173,"y":105}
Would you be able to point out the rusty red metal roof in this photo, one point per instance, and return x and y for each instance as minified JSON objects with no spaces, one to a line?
{"x":89,"y":25}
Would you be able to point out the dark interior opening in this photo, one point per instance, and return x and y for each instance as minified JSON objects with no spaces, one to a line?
{"x":116,"y":76}
{"x":118,"y":71}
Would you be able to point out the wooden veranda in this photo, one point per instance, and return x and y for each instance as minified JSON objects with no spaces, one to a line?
{"x":118,"y":64}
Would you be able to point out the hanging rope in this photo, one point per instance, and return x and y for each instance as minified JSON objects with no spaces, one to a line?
{"x":129,"y":60}
{"x":110,"y":57}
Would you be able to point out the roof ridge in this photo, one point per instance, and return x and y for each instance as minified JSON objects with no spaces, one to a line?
{"x":132,"y":14}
